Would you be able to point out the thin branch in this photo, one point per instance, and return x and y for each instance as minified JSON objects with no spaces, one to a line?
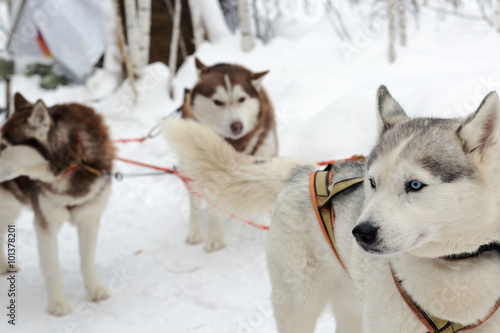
{"x":16,"y":23}
{"x":457,"y":14}
{"x":341,"y":30}
{"x":483,"y":12}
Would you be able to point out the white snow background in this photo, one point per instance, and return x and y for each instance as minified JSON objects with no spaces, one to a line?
{"x":325,"y":105}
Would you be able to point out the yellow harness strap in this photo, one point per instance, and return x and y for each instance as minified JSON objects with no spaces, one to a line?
{"x":321,"y":197}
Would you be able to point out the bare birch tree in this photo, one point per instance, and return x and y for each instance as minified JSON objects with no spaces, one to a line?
{"x":144,"y":16}
{"x":124,"y":51}
{"x":497,"y":15}
{"x":172,"y":63}
{"x":132,"y":34}
{"x":247,"y":41}
{"x":307,"y":6}
{"x":198,"y":31}
{"x":391,"y":14}
{"x":402,"y":22}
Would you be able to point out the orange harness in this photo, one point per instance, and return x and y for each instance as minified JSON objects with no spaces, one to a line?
{"x":434,"y":324}
{"x":321,"y":198}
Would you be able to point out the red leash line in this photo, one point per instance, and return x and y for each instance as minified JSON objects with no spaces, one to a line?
{"x":144,"y":138}
{"x":201,"y":196}
{"x":186,"y":181}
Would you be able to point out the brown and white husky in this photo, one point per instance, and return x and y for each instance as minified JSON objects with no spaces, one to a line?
{"x":231,"y":101}
{"x":57,"y":161}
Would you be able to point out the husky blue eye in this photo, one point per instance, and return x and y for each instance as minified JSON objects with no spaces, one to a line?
{"x":373,"y":183}
{"x":414,"y":186}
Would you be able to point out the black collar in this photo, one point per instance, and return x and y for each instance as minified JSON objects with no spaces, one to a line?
{"x":493,"y":246}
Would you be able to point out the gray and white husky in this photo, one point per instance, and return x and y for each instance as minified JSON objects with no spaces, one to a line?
{"x":431,"y":194}
{"x":55,"y":160}
{"x":230,"y":100}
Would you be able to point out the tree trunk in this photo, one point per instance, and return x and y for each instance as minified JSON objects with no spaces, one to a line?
{"x":213,"y":20}
{"x":402,"y":22}
{"x":258,"y":31}
{"x":307,"y":6}
{"x":173,"y":46}
{"x":145,"y":27}
{"x":391,"y":14}
{"x":247,"y":42}
{"x":122,"y":47}
{"x":132,"y":35}
{"x":198,"y":31}
{"x":15,"y":24}
{"x":497,"y":16}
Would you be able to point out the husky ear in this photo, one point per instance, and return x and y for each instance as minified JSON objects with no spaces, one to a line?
{"x":389,"y":112}
{"x":257,"y":78}
{"x":200,"y":66}
{"x":40,"y":117}
{"x":20,"y":102}
{"x":480,"y":130}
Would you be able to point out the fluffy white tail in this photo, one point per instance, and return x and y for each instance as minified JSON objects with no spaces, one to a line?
{"x":243,"y":184}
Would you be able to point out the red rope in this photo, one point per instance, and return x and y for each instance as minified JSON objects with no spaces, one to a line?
{"x":144,"y":138}
{"x":352,"y":158}
{"x":186,"y":181}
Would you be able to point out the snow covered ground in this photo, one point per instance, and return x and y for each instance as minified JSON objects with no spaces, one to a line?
{"x":325,"y":101}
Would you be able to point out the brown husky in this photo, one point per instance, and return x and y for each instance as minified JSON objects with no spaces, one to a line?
{"x":231,"y":101}
{"x":57,"y":161}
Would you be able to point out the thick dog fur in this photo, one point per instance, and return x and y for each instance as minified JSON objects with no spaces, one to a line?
{"x":456,"y":210}
{"x":38,"y":147}
{"x":231,"y":101}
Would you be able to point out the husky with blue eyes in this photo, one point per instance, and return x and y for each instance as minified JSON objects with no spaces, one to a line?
{"x":231,"y":101}
{"x":413,"y":245}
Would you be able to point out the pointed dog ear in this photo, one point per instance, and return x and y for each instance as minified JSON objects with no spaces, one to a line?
{"x":389,"y":112}
{"x":20,"y":102}
{"x":480,"y":130}
{"x":200,"y":66}
{"x":257,"y":78}
{"x":40,"y":117}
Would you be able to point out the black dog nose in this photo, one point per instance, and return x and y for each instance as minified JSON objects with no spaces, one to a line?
{"x":365,"y":233}
{"x":236,"y":127}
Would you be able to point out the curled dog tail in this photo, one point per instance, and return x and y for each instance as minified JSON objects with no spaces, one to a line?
{"x":241,"y":183}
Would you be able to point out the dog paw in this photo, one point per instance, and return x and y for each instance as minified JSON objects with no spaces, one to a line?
{"x":214,"y":245}
{"x":194,"y":238}
{"x":99,"y":293}
{"x":59,"y":308}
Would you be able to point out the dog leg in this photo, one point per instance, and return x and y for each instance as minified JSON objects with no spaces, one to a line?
{"x":87,"y":241}
{"x":49,"y":264}
{"x":297,"y":295}
{"x":215,"y":235}
{"x":10,"y":209}
{"x":86,"y":218}
{"x":195,"y":235}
